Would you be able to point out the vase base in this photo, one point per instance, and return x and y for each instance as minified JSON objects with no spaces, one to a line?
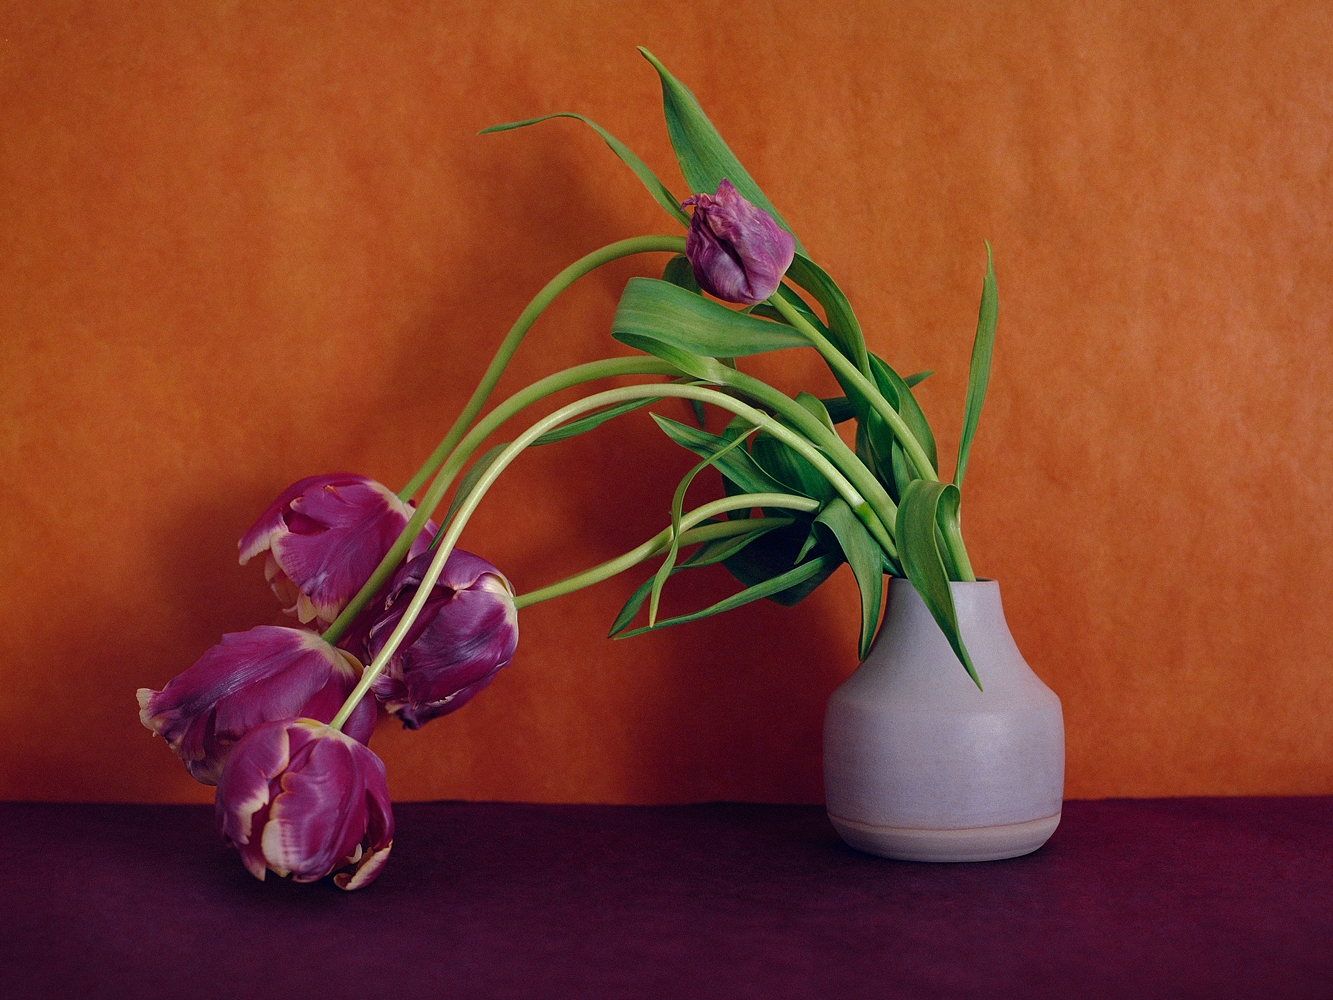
{"x":983,"y":843}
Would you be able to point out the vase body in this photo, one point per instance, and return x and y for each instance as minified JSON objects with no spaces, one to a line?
{"x":920,"y":765}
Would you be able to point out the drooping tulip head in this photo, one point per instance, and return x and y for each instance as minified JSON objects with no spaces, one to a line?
{"x":304,"y":801}
{"x":323,"y":537}
{"x":247,"y":679}
{"x":467,"y":631}
{"x":737,"y":251}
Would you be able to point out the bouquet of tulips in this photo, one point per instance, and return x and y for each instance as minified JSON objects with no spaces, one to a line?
{"x":389,"y":612}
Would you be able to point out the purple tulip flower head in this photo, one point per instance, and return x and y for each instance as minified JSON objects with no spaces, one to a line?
{"x":323,"y":537}
{"x":738,"y":253}
{"x":467,"y":631}
{"x":303,"y":800}
{"x":247,"y":679}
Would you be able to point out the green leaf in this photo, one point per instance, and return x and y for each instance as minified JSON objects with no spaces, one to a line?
{"x":816,"y":408}
{"x":900,"y":397}
{"x":919,"y":377}
{"x":706,"y":555}
{"x":924,"y":505}
{"x":775,"y":554}
{"x":862,"y":552}
{"x":592,"y":420}
{"x":655,"y":187}
{"x":661,"y":311}
{"x":789,"y":467}
{"x":979,"y":373}
{"x":677,"y":504}
{"x":843,"y":328}
{"x":680,"y":273}
{"x":737,"y":466}
{"x":704,"y":158}
{"x":793,"y":298}
{"x":840,"y":409}
{"x":792,"y":579}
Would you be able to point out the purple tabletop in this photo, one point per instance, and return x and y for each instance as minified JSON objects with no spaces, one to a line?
{"x":1130,"y":898}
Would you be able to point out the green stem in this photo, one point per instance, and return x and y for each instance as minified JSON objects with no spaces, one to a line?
{"x":689,"y":536}
{"x":871,"y":394}
{"x":595,"y":401}
{"x":577,"y":375}
{"x":594,"y":260}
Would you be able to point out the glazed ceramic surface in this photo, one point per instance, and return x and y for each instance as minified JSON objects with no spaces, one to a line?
{"x":922,"y":766}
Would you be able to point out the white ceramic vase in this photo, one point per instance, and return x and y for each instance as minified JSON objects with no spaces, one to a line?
{"x":919,"y":765}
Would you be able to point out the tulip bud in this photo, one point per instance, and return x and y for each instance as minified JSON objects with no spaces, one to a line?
{"x":247,"y":679}
{"x":303,"y":800}
{"x":738,"y":253}
{"x":467,"y":631}
{"x":323,"y":537}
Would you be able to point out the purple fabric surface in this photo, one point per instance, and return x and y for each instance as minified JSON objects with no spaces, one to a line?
{"x":1129,"y":899}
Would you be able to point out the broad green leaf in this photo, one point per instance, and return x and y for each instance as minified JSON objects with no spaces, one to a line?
{"x":919,"y":377}
{"x":889,"y":453}
{"x":668,"y":313}
{"x":469,"y":480}
{"x":677,"y":505}
{"x":706,"y":555}
{"x":816,"y":408}
{"x":862,"y":552}
{"x":704,"y":369}
{"x":679,"y":272}
{"x":792,"y":579}
{"x":843,"y":329}
{"x":840,"y":409}
{"x":724,"y":548}
{"x":979,"y":373}
{"x":924,"y":504}
{"x":704,"y":158}
{"x":775,"y":554}
{"x":789,"y":467}
{"x":737,"y":466}
{"x":592,"y":420}
{"x":655,"y":187}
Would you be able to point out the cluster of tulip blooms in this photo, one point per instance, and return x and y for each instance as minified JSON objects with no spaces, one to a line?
{"x":389,"y":612}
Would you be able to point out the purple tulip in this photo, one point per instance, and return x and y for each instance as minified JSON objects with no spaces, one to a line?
{"x":304,"y":800}
{"x":323,"y":537}
{"x":247,"y":679}
{"x":467,"y":631}
{"x":737,"y":251}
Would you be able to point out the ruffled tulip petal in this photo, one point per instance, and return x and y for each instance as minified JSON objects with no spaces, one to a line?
{"x":249,"y":678}
{"x":737,"y":251}
{"x":466,"y":632}
{"x":305,"y":801}
{"x":324,"y":537}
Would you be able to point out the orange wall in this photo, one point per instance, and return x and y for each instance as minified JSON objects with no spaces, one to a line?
{"x":241,"y":244}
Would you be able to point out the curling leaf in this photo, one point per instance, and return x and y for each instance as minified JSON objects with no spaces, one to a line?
{"x":704,"y":158}
{"x":662,"y":311}
{"x":862,"y":553}
{"x":655,"y":187}
{"x":924,"y":505}
{"x":979,"y":373}
{"x":792,"y":579}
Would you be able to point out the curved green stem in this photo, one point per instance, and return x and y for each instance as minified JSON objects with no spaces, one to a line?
{"x":871,"y":394}
{"x":488,"y":478}
{"x":689,"y":536}
{"x":577,"y":375}
{"x":594,"y":260}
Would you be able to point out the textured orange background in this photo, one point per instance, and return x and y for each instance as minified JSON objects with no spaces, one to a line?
{"x":244,"y":243}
